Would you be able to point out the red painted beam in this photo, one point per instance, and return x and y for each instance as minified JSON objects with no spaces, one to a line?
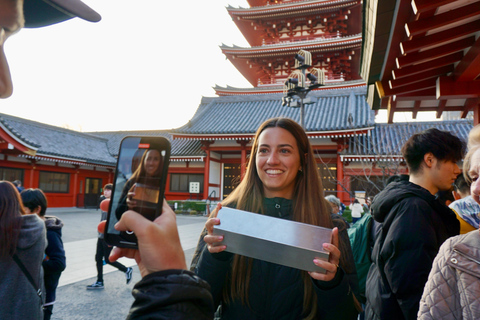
{"x":418,"y":86}
{"x":419,"y":57}
{"x":420,"y":43}
{"x":420,"y":6}
{"x":469,"y":67}
{"x":428,"y":94}
{"x":470,"y":104}
{"x":391,"y":109}
{"x":441,"y":108}
{"x":440,"y":20}
{"x":448,"y":88}
{"x":434,"y":73}
{"x":432,"y":108}
{"x":422,"y":67}
{"x":416,"y":108}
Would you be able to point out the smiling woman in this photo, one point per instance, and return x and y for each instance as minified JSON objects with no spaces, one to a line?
{"x":281,"y":181}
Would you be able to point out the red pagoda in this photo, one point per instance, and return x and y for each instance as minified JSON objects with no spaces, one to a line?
{"x":276,"y":30}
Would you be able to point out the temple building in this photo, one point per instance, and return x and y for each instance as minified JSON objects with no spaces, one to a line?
{"x":355,"y":155}
{"x":277,"y":30}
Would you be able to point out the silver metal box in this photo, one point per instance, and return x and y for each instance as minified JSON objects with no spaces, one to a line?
{"x":275,"y":240}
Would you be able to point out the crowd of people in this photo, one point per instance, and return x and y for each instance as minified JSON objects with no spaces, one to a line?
{"x":417,"y":258}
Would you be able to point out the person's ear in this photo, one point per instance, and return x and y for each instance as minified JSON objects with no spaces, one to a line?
{"x":456,"y":195}
{"x":37,"y":210}
{"x":429,"y":159}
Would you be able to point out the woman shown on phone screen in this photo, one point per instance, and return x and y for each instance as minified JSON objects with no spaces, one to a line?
{"x":141,"y":191}
{"x":282,"y":181}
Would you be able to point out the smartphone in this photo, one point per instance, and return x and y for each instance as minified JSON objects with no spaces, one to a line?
{"x":138,"y":184}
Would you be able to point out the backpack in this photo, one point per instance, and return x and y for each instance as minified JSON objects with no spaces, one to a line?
{"x":359,"y":235}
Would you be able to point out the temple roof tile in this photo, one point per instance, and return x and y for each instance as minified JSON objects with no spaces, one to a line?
{"x":385,"y":141}
{"x":332,"y":110}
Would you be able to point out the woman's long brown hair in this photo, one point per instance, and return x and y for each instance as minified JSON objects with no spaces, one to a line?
{"x":11,"y":211}
{"x":309,"y":206}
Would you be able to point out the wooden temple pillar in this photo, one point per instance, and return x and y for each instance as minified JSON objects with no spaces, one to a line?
{"x":340,"y":176}
{"x":476,"y":113}
{"x":75,"y":182}
{"x":206,"y":174}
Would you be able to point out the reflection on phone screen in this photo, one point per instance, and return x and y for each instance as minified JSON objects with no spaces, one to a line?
{"x":138,"y":179}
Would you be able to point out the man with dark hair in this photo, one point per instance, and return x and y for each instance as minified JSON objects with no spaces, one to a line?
{"x":103,"y":250}
{"x":464,"y":206}
{"x":35,"y":202}
{"x":414,"y":225}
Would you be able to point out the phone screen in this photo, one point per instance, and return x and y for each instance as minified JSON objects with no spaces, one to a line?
{"x":139,"y":184}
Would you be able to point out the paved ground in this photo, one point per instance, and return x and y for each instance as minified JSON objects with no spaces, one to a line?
{"x":80,"y":236}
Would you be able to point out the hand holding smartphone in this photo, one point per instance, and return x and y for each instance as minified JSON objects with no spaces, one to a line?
{"x":139,"y":184}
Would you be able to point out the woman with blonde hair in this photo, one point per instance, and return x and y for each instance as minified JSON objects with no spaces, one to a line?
{"x":281,"y":181}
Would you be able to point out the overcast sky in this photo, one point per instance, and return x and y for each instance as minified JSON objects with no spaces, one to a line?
{"x":146,"y":65}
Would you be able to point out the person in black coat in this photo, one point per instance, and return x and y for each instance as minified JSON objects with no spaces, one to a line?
{"x":281,"y":181}
{"x":54,"y":262}
{"x":413,"y":225}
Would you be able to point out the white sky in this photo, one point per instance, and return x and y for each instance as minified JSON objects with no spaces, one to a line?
{"x":145,"y":66}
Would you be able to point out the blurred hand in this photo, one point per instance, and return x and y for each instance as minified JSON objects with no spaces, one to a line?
{"x":159,"y":245}
{"x":131,"y":193}
{"x":332,"y":264}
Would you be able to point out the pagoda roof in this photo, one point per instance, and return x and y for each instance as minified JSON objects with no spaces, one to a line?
{"x":288,"y":48}
{"x":334,"y":113}
{"x":229,"y":90}
{"x":385,"y":141}
{"x":290,"y":8}
{"x":45,"y":142}
{"x":246,"y":60}
{"x":255,"y":22}
{"x":422,"y":55}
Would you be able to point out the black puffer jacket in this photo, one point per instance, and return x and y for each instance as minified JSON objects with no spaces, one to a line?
{"x":171,"y":294}
{"x":276,"y":291}
{"x":55,"y":261}
{"x":414,"y":226}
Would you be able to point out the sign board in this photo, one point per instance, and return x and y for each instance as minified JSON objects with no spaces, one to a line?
{"x":360,"y":196}
{"x":194,"y":187}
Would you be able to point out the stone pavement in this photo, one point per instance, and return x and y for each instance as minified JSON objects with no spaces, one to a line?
{"x":80,"y":238}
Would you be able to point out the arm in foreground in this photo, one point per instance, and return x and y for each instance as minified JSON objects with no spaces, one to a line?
{"x":167,"y":290}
